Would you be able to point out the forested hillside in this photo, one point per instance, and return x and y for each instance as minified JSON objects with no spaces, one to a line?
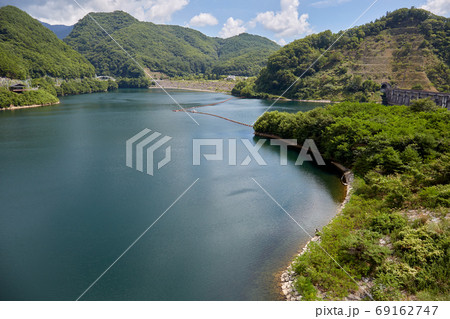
{"x":408,"y":48}
{"x":28,"y":49}
{"x":393,"y":235}
{"x":172,"y":50}
{"x":244,"y":54}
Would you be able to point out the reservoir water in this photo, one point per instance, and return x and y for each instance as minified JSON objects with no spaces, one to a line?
{"x":69,"y":206}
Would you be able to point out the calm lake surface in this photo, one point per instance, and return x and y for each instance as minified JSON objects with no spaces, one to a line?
{"x":69,"y":206}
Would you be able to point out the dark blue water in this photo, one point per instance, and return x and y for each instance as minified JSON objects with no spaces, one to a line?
{"x":69,"y":206}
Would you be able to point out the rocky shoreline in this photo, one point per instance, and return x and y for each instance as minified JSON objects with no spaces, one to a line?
{"x":287,"y":278}
{"x":307,"y":101}
{"x":199,"y":86}
{"x":13,"y":108}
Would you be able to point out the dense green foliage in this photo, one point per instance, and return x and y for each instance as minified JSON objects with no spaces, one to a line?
{"x":409,"y":47}
{"x":172,"y":50}
{"x":73,"y":87}
{"x":243,"y":55}
{"x":246,"y":89}
{"x":84,"y":86}
{"x":423,"y":105}
{"x":28,"y":49}
{"x":395,"y":229}
{"x":138,"y":83}
{"x":38,"y":97}
{"x":47,"y":89}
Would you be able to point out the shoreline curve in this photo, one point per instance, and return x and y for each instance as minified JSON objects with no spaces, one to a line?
{"x":13,"y":108}
{"x":287,"y":275}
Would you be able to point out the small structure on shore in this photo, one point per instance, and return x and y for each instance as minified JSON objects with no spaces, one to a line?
{"x":18,"y":88}
{"x":105,"y":78}
{"x":406,"y":97}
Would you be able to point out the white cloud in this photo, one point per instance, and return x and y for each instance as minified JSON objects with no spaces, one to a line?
{"x":203,"y":19}
{"x":286,"y":22}
{"x":282,"y":42}
{"x":231,"y":28}
{"x":328,"y":3}
{"x":68,"y":12}
{"x":162,"y":10}
{"x":440,"y":7}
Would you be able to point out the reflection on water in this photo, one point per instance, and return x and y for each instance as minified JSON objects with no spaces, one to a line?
{"x":70,"y":206}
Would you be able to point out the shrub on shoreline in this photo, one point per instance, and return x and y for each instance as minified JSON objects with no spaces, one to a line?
{"x":393,"y":232}
{"x":38,"y":97}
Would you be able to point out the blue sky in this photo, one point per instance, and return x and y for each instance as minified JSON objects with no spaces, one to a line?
{"x":280,"y":20}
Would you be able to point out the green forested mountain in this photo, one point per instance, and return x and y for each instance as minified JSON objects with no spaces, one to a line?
{"x":28,"y":49}
{"x":244,"y":52}
{"x":172,"y":50}
{"x":408,"y":48}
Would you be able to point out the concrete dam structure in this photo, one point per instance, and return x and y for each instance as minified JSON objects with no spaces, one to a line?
{"x":406,"y":97}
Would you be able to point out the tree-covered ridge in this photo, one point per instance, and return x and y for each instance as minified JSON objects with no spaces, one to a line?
{"x":244,"y":54}
{"x":28,"y":49}
{"x":393,"y":235}
{"x":154,"y":47}
{"x":408,"y":48}
{"x":86,"y":33}
{"x":172,"y":50}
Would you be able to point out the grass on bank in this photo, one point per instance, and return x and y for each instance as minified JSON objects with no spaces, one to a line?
{"x":394,"y":232}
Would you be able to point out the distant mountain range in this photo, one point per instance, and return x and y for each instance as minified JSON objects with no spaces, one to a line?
{"x":169,"y":49}
{"x":60,"y":30}
{"x":409,"y":48}
{"x":29,"y":49}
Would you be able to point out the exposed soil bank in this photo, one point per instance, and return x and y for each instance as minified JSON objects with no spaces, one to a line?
{"x":200,"y":86}
{"x":13,"y":108}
